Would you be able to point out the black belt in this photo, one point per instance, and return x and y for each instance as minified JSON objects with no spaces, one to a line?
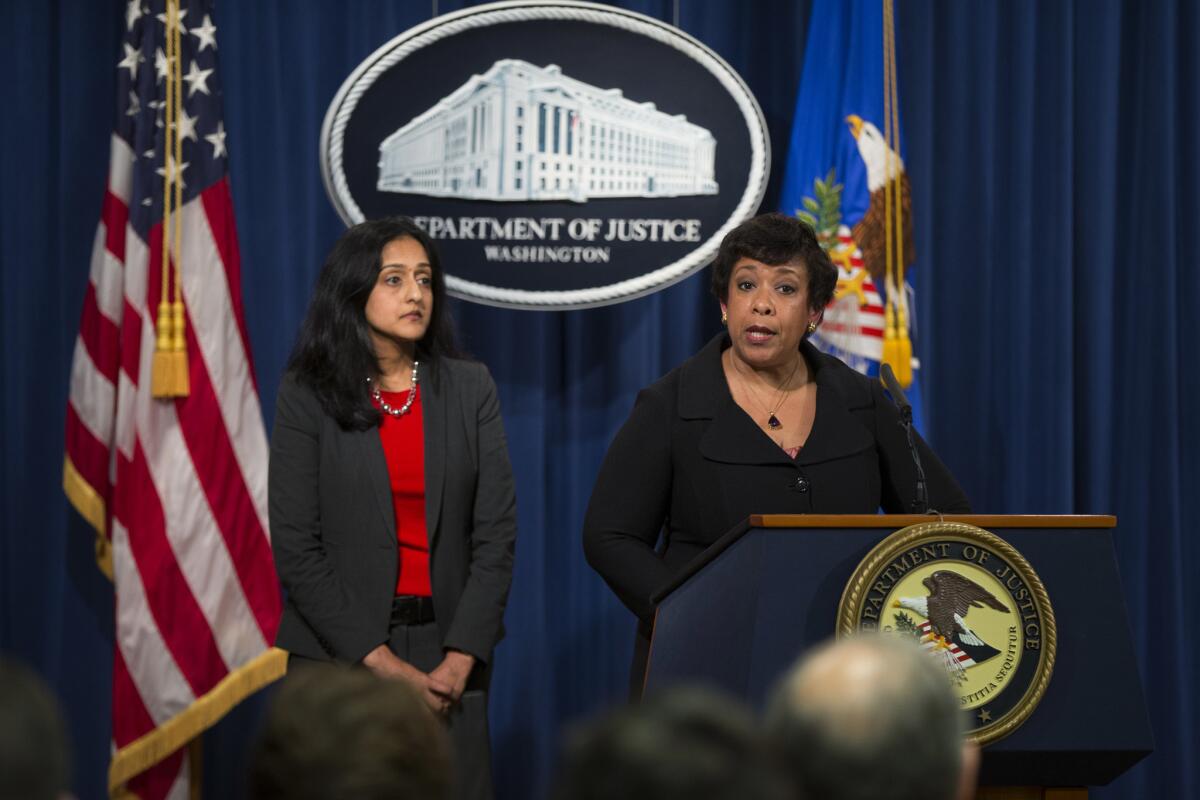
{"x":411,"y":609}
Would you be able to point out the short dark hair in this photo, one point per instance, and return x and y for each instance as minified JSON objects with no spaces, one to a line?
{"x":775,"y":240}
{"x":34,"y":755}
{"x":334,"y":355}
{"x":894,"y":729}
{"x":683,"y":744}
{"x":343,"y":732}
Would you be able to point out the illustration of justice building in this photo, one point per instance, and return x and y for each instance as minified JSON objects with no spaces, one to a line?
{"x":523,"y":132}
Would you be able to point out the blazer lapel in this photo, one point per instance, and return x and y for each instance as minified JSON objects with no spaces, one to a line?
{"x":731,"y":437}
{"x":374,"y":465}
{"x":433,"y":415}
{"x":836,"y":433}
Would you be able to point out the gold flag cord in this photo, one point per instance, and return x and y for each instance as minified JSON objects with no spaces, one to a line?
{"x":889,"y":308}
{"x":178,"y":342}
{"x":169,"y":373}
{"x":904,"y":354}
{"x":897,"y":347}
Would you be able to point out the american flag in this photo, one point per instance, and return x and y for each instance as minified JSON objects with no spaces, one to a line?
{"x":176,"y":489}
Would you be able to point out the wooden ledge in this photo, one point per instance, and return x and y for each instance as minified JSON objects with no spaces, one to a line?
{"x":902,"y":520}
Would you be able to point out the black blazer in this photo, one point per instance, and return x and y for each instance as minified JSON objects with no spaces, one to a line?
{"x":333,"y":526}
{"x":690,"y":463}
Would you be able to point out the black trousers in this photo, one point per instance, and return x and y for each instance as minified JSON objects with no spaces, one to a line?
{"x":467,"y":723}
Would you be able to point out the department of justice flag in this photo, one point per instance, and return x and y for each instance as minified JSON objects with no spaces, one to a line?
{"x":845,"y":176}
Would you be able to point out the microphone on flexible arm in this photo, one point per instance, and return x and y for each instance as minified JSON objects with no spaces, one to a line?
{"x":920,"y":503}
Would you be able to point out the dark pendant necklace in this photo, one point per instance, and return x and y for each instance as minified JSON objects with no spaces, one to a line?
{"x":772,"y":420}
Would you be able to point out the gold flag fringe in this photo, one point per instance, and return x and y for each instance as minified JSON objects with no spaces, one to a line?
{"x":90,"y":505}
{"x":151,"y":748}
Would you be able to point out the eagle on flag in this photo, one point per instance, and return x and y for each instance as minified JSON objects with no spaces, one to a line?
{"x":884,"y":167}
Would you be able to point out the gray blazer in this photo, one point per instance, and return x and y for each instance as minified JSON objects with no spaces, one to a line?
{"x":333,"y":527}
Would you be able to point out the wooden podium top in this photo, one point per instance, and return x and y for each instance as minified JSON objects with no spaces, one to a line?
{"x":901,"y":520}
{"x":892,"y":521}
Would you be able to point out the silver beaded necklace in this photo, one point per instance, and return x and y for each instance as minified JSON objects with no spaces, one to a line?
{"x":408,"y":401}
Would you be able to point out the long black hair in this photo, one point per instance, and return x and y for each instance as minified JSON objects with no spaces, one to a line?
{"x":334,"y":355}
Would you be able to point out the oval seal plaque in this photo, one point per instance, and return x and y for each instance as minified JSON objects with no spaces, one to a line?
{"x":976,"y":606}
{"x":564,"y":154}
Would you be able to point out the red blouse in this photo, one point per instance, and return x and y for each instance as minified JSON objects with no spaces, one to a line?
{"x":403,"y":441}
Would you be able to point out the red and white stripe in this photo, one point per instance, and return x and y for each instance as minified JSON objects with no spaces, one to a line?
{"x":927,"y":642}
{"x":183,"y":481}
{"x":850,"y":326}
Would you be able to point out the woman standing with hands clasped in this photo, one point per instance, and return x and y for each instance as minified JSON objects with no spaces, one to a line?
{"x":392,"y":507}
{"x":758,"y":422}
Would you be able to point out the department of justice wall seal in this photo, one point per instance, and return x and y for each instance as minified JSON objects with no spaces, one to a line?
{"x":563,"y":154}
{"x":975,"y":605}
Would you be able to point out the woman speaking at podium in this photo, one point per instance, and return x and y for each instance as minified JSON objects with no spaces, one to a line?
{"x":391,"y":495}
{"x":758,"y":422}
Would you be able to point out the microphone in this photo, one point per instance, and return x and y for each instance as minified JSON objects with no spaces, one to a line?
{"x":893,"y":386}
{"x":920,"y":503}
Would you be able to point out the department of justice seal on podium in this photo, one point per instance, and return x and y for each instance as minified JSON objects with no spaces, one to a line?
{"x":975,"y":605}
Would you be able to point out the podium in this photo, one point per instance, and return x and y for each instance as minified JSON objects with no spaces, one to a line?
{"x":746,"y":608}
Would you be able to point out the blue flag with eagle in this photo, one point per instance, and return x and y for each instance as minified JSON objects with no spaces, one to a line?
{"x":845,"y":176}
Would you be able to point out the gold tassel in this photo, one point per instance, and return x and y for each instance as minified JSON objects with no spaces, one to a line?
{"x":903,"y":365}
{"x":162,"y":371}
{"x":890,"y":355}
{"x":181,"y":383}
{"x":169,"y":372}
{"x":170,"y":376}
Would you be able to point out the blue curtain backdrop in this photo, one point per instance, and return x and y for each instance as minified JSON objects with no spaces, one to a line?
{"x":1054,"y":166}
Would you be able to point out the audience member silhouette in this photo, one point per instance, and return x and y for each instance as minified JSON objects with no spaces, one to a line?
{"x":34,"y":755}
{"x":337,"y":732}
{"x":685,"y":744}
{"x":870,"y":717}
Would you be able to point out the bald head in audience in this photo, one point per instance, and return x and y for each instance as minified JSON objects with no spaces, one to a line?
{"x":872,"y":716}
